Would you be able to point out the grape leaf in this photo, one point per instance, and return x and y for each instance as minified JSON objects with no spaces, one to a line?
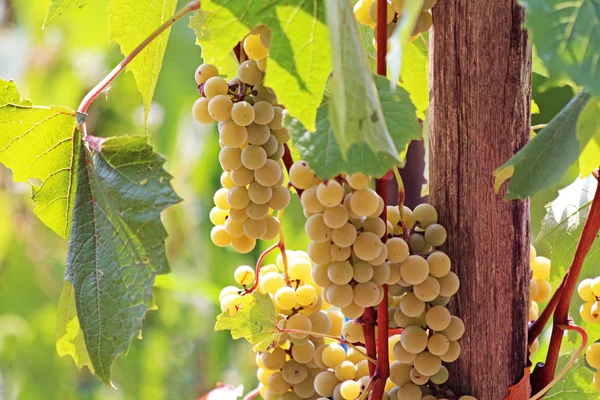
{"x":130,"y":22}
{"x":58,"y":7}
{"x":589,"y":128}
{"x":321,"y":151}
{"x":116,"y":246}
{"x":544,"y":160}
{"x":299,"y":59}
{"x":415,"y":75}
{"x":355,"y":113}
{"x":400,"y":37}
{"x":567,"y":38}
{"x":39,"y":145}
{"x":576,"y":384}
{"x":252,"y":318}
{"x":69,"y":336}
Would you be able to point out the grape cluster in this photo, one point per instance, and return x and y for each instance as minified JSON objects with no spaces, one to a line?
{"x":589,"y":292}
{"x":365,"y":13}
{"x":592,"y":356}
{"x":540,"y":290}
{"x":252,"y":139}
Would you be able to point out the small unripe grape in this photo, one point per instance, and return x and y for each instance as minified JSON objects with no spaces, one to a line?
{"x":417,"y":243}
{"x":205,"y":72}
{"x":200,"y":111}
{"x":215,"y":86}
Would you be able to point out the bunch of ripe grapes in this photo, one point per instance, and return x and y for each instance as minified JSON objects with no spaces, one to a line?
{"x":540,"y":290}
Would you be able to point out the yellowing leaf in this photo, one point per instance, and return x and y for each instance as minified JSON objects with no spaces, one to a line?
{"x":57,"y":7}
{"x":253,"y":319}
{"x":400,"y":37}
{"x":130,"y":22}
{"x":39,"y":145}
{"x":299,"y":60}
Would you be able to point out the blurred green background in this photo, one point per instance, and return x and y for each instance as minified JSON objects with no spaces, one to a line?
{"x":180,"y":356}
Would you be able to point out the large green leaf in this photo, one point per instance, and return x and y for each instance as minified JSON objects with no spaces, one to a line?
{"x":321,"y":151}
{"x":57,"y":7}
{"x":576,"y":384}
{"x":415,"y":75}
{"x":588,"y":130}
{"x":116,"y":246}
{"x":544,"y":160}
{"x":566,"y":35}
{"x":299,"y":59}
{"x":354,"y":110}
{"x":130,"y":22}
{"x":39,"y":145}
{"x":400,"y":37}
{"x":254,"y":319}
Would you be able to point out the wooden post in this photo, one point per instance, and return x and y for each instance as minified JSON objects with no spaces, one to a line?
{"x":480,"y":85}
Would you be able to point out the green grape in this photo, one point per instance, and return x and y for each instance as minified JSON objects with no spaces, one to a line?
{"x":585,"y":311}
{"x":242,"y":176}
{"x":425,"y":215}
{"x":321,"y":323}
{"x":320,"y":253}
{"x":325,"y":383}
{"x":257,"y":211}
{"x":441,"y":301}
{"x":218,"y":216}
{"x":350,"y":390}
{"x":333,"y":355}
{"x":401,"y":355}
{"x":264,"y":93}
{"x":302,"y":176}
{"x":417,"y":378}
{"x":237,"y":197}
{"x":244,"y":275}
{"x":362,"y":369}
{"x":274,"y":360}
{"x":278,"y":384}
{"x":243,"y":244}
{"x":282,"y":135}
{"x":205,"y":72}
{"x":271,"y":282}
{"x":305,"y":389}
{"x":249,"y":73}
{"x":258,"y":134}
{"x":258,"y":193}
{"x":361,"y":12}
{"x":544,"y":291}
{"x":363,"y":272}
{"x":364,"y":202}
{"x":228,"y":302}
{"x":264,"y":113}
{"x":230,"y":158}
{"x":411,"y":306}
{"x":455,"y":329}
{"x":409,"y":391}
{"x":271,"y":146}
{"x":262,"y":64}
{"x":320,"y":276}
{"x":310,"y":202}
{"x":435,"y":235}
{"x":278,"y":155}
{"x":414,"y":339}
{"x":400,"y":373}
{"x":439,"y":264}
{"x":220,"y":199}
{"x":269,"y":173}
{"x":414,"y":270}
{"x":330,"y":193}
{"x":367,"y":246}
{"x":317,"y":230}
{"x":228,"y":290}
{"x":242,"y":113}
{"x":280,"y":198}
{"x":375,"y":226}
{"x":299,"y":268}
{"x":340,"y":272}
{"x":294,"y":372}
{"x":438,"y":344}
{"x":200,"y":111}
{"x":584,"y":289}
{"x":253,"y":157}
{"x":234,"y":228}
{"x":403,"y":320}
{"x":381,"y":273}
{"x":353,"y":332}
{"x":340,"y":253}
{"x":215,"y":86}
{"x":366,"y":294}
{"x":255,"y":229}
{"x":340,"y":295}
{"x":353,"y":311}
{"x":219,"y":107}
{"x":440,"y":377}
{"x":417,"y":243}
{"x":428,"y":290}
{"x":298,"y":322}
{"x":394,"y":277}
{"x":254,"y":48}
{"x":427,"y":363}
{"x":592,"y":355}
{"x":449,"y":284}
{"x":238,"y":215}
{"x":438,"y":318}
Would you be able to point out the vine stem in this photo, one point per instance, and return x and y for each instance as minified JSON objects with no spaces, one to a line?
{"x":258,"y":266}
{"x":394,"y":331}
{"x":543,"y":375}
{"x":540,"y":126}
{"x":324,"y":335}
{"x":584,"y":340}
{"x":252,"y":395}
{"x":288,"y":161}
{"x":95,"y":92}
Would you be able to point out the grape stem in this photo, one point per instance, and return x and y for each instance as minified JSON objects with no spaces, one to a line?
{"x":394,"y":331}
{"x":288,"y":161}
{"x":401,"y":197}
{"x":252,"y":395}
{"x":103,"y":84}
{"x":540,"y":126}
{"x":584,"y":340}
{"x":258,"y":265}
{"x":543,"y":375}
{"x":324,"y":335}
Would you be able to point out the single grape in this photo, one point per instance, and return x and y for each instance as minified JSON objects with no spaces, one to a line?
{"x":268,"y":174}
{"x":325,"y":383}
{"x":218,"y":216}
{"x":435,"y":235}
{"x":234,"y":228}
{"x":381,"y":273}
{"x":440,"y":377}
{"x":244,"y":275}
{"x":317,"y":230}
{"x":428,"y":290}
{"x":270,"y":145}
{"x":438,"y":318}
{"x":330,"y":193}
{"x":258,"y":134}
{"x":417,"y":243}
{"x":400,"y":373}
{"x":200,"y":111}
{"x":438,"y":344}
{"x":453,"y":352}
{"x":253,"y":157}
{"x":414,"y":270}
{"x":584,"y":289}
{"x":361,"y":12}
{"x":340,"y":272}
{"x":397,"y":250}
{"x":264,"y":113}
{"x":230,"y":158}
{"x":283,"y":136}
{"x":302,"y":176}
{"x":273,"y":227}
{"x":455,"y":329}
{"x":280,"y":198}
{"x":310,"y":201}
{"x":398,"y":6}
{"x":417,"y":378}
{"x":294,"y":372}
{"x":274,"y":360}
{"x":544,"y":291}
{"x":363,"y":272}
{"x":215,"y":86}
{"x":449,"y":284}
{"x":278,"y":384}
{"x":257,"y":211}
{"x":249,"y":73}
{"x":367,"y":246}
{"x":242,"y":113}
{"x":414,"y":339}
{"x":219,"y":107}
{"x":237,"y":197}
{"x":333,"y":355}
{"x":340,"y":295}
{"x":411,"y":306}
{"x":254,"y":48}
{"x":425,"y":215}
{"x":298,"y":322}
{"x":243,"y":244}
{"x":401,"y":355}
{"x":237,"y":215}
{"x":366,"y":294}
{"x":350,"y":390}
{"x":373,"y":12}
{"x":592,"y":355}
{"x":364,"y":202}
{"x":259,"y":194}
{"x":205,"y":72}
{"x":439,"y":264}
{"x":541,"y":269}
{"x":255,"y":229}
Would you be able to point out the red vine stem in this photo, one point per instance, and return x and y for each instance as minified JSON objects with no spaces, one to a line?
{"x":258,"y":265}
{"x":368,"y":322}
{"x":543,"y":375}
{"x":394,"y":331}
